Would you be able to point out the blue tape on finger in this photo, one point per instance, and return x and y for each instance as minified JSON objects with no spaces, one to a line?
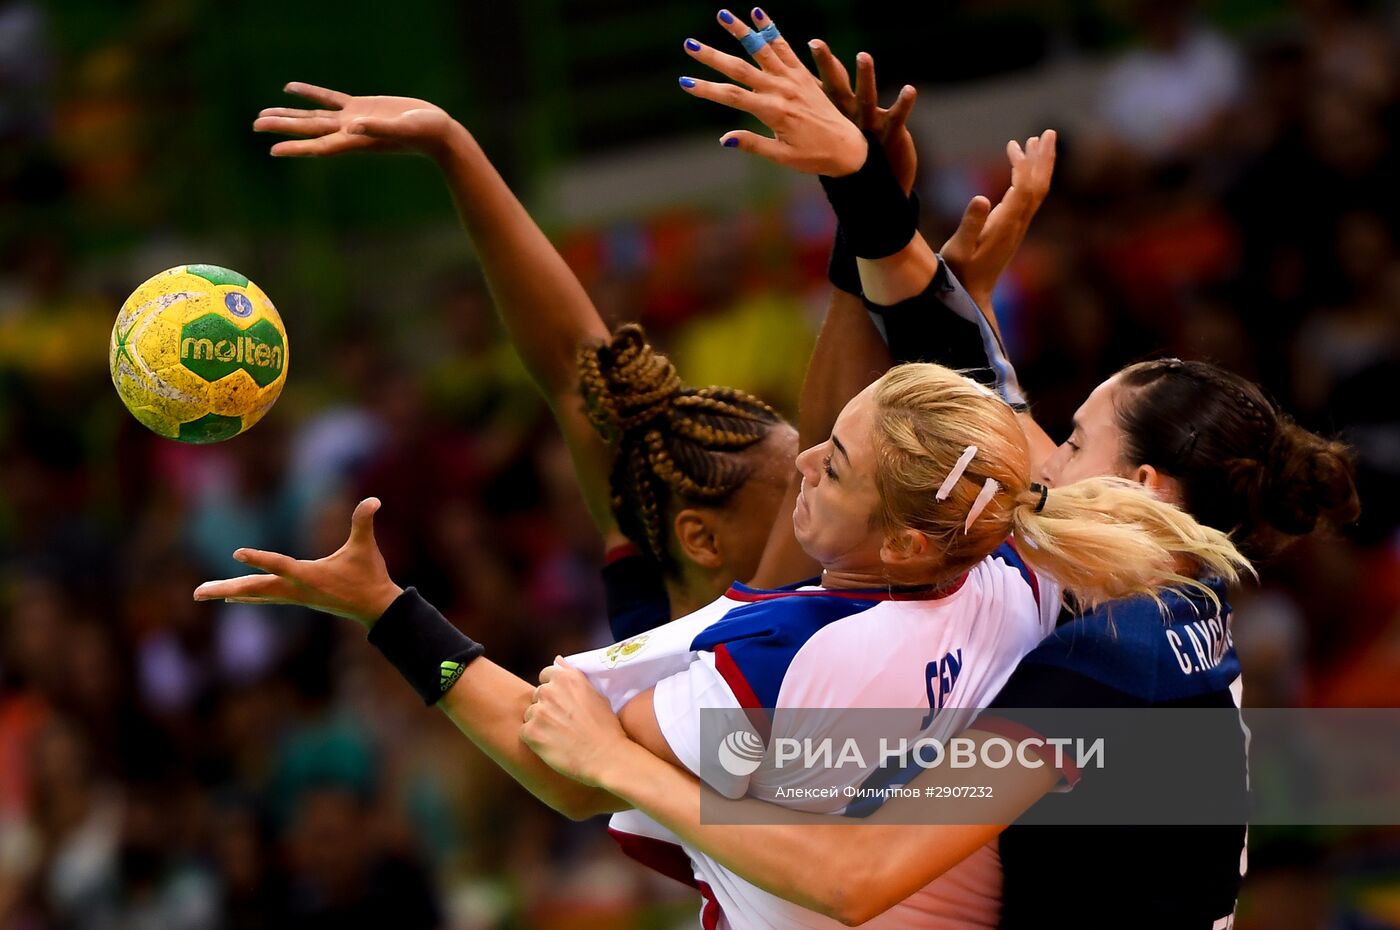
{"x":754,"y":41}
{"x":770,"y":32}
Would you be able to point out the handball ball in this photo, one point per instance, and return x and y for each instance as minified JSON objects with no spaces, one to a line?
{"x":198,"y":353}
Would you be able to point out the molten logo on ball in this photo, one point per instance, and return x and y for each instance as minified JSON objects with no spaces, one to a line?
{"x":214,"y":348}
{"x":198,"y":353}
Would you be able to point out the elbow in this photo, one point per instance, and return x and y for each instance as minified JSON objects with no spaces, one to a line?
{"x":580,"y":806}
{"x":838,"y":899}
{"x":849,"y":911}
{"x":575,"y":810}
{"x":856,"y":914}
{"x":856,"y":898}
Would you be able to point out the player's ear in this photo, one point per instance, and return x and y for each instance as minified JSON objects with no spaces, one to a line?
{"x":905,"y":548}
{"x":695,"y":531}
{"x":1163,"y":486}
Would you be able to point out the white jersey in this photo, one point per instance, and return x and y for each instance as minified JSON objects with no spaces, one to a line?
{"x":806,"y":647}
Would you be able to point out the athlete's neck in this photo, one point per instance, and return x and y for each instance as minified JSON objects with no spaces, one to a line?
{"x":837,"y":579}
{"x":686,"y":598}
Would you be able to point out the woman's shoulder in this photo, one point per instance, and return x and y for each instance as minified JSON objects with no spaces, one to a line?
{"x":1150,"y":650}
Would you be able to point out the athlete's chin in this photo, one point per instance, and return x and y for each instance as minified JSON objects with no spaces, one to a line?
{"x":799,"y":526}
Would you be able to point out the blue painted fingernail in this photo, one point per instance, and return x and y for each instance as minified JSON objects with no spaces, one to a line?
{"x":687,"y":82}
{"x":730,"y":143}
{"x":726,"y":17}
{"x":758,"y":14}
{"x":692,"y":45}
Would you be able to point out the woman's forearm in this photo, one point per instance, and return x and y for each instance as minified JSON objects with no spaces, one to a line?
{"x":849,"y":870}
{"x":544,"y":308}
{"x":849,"y":354}
{"x":487,"y":704}
{"x":777,"y":858}
{"x":898,"y":277}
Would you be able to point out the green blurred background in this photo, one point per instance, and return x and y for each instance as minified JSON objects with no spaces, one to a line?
{"x":164,"y":764}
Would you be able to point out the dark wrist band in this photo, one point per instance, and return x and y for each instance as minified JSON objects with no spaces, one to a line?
{"x":841,"y":268}
{"x":429,"y":652}
{"x":871,"y":207}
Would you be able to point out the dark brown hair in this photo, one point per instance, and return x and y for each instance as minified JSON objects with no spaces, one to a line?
{"x":671,"y":445}
{"x":1243,"y":465}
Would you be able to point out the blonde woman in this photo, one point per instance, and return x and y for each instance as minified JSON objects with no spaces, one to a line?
{"x":908,"y":508}
{"x":1188,"y":432}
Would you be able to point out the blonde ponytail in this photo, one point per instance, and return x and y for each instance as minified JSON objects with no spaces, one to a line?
{"x":1101,"y":539}
{"x":1109,"y":538}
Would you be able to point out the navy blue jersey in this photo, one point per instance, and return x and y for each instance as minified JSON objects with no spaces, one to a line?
{"x":1129,"y":655}
{"x":634,"y":592}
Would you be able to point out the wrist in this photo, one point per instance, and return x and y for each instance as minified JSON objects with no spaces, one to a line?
{"x":871,"y":207}
{"x":428,"y":651}
{"x":379,"y":602}
{"x":853,"y":157}
{"x":449,"y":144}
{"x":620,"y":769}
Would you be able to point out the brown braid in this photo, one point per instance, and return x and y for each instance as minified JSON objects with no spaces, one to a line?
{"x":671,"y":445}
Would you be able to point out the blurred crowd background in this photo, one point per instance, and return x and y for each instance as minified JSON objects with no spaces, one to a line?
{"x":1227,"y":190}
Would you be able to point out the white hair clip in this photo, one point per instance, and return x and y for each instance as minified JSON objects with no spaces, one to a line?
{"x":946,"y":487}
{"x":989,"y":490}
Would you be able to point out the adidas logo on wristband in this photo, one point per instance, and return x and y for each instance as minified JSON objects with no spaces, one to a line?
{"x":448,"y":673}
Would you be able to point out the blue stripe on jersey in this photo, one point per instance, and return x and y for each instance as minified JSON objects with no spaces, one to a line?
{"x":746,"y":589}
{"x":763,"y":637}
{"x":1008,"y":554}
{"x":1131,"y":645}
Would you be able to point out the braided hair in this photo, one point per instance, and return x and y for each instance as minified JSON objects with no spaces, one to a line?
{"x":670,"y":444}
{"x":1243,"y":465}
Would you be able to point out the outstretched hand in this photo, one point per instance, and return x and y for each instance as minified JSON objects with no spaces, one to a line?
{"x":351,"y":582}
{"x":861,"y":106}
{"x":571,"y":726}
{"x":987,"y":238}
{"x":811,"y":133}
{"x":348,"y":124}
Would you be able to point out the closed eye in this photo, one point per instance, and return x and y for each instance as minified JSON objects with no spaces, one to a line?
{"x":826,"y":467}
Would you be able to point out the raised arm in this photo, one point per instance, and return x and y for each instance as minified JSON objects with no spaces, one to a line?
{"x":849,"y":353}
{"x":544,"y":308}
{"x":953,"y":322}
{"x":485,"y":701}
{"x":848,"y":870}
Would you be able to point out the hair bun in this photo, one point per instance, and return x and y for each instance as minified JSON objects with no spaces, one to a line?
{"x":627,"y":384}
{"x":1306,"y":480}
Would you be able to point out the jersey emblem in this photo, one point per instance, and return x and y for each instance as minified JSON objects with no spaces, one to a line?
{"x":621,"y":652}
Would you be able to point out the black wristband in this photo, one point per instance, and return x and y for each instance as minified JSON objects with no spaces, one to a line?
{"x":429,"y":652}
{"x":871,"y":207}
{"x":841,"y":269}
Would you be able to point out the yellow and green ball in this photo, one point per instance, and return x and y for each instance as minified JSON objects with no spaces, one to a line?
{"x":198,"y":353}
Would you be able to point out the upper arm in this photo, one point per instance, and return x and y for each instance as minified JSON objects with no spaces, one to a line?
{"x":1042,"y":446}
{"x":591,"y":461}
{"x":784,"y":560}
{"x":638,"y":717}
{"x":669,"y":720}
{"x":849,"y":354}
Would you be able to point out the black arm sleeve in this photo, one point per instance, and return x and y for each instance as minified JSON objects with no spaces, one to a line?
{"x":944,"y":325}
